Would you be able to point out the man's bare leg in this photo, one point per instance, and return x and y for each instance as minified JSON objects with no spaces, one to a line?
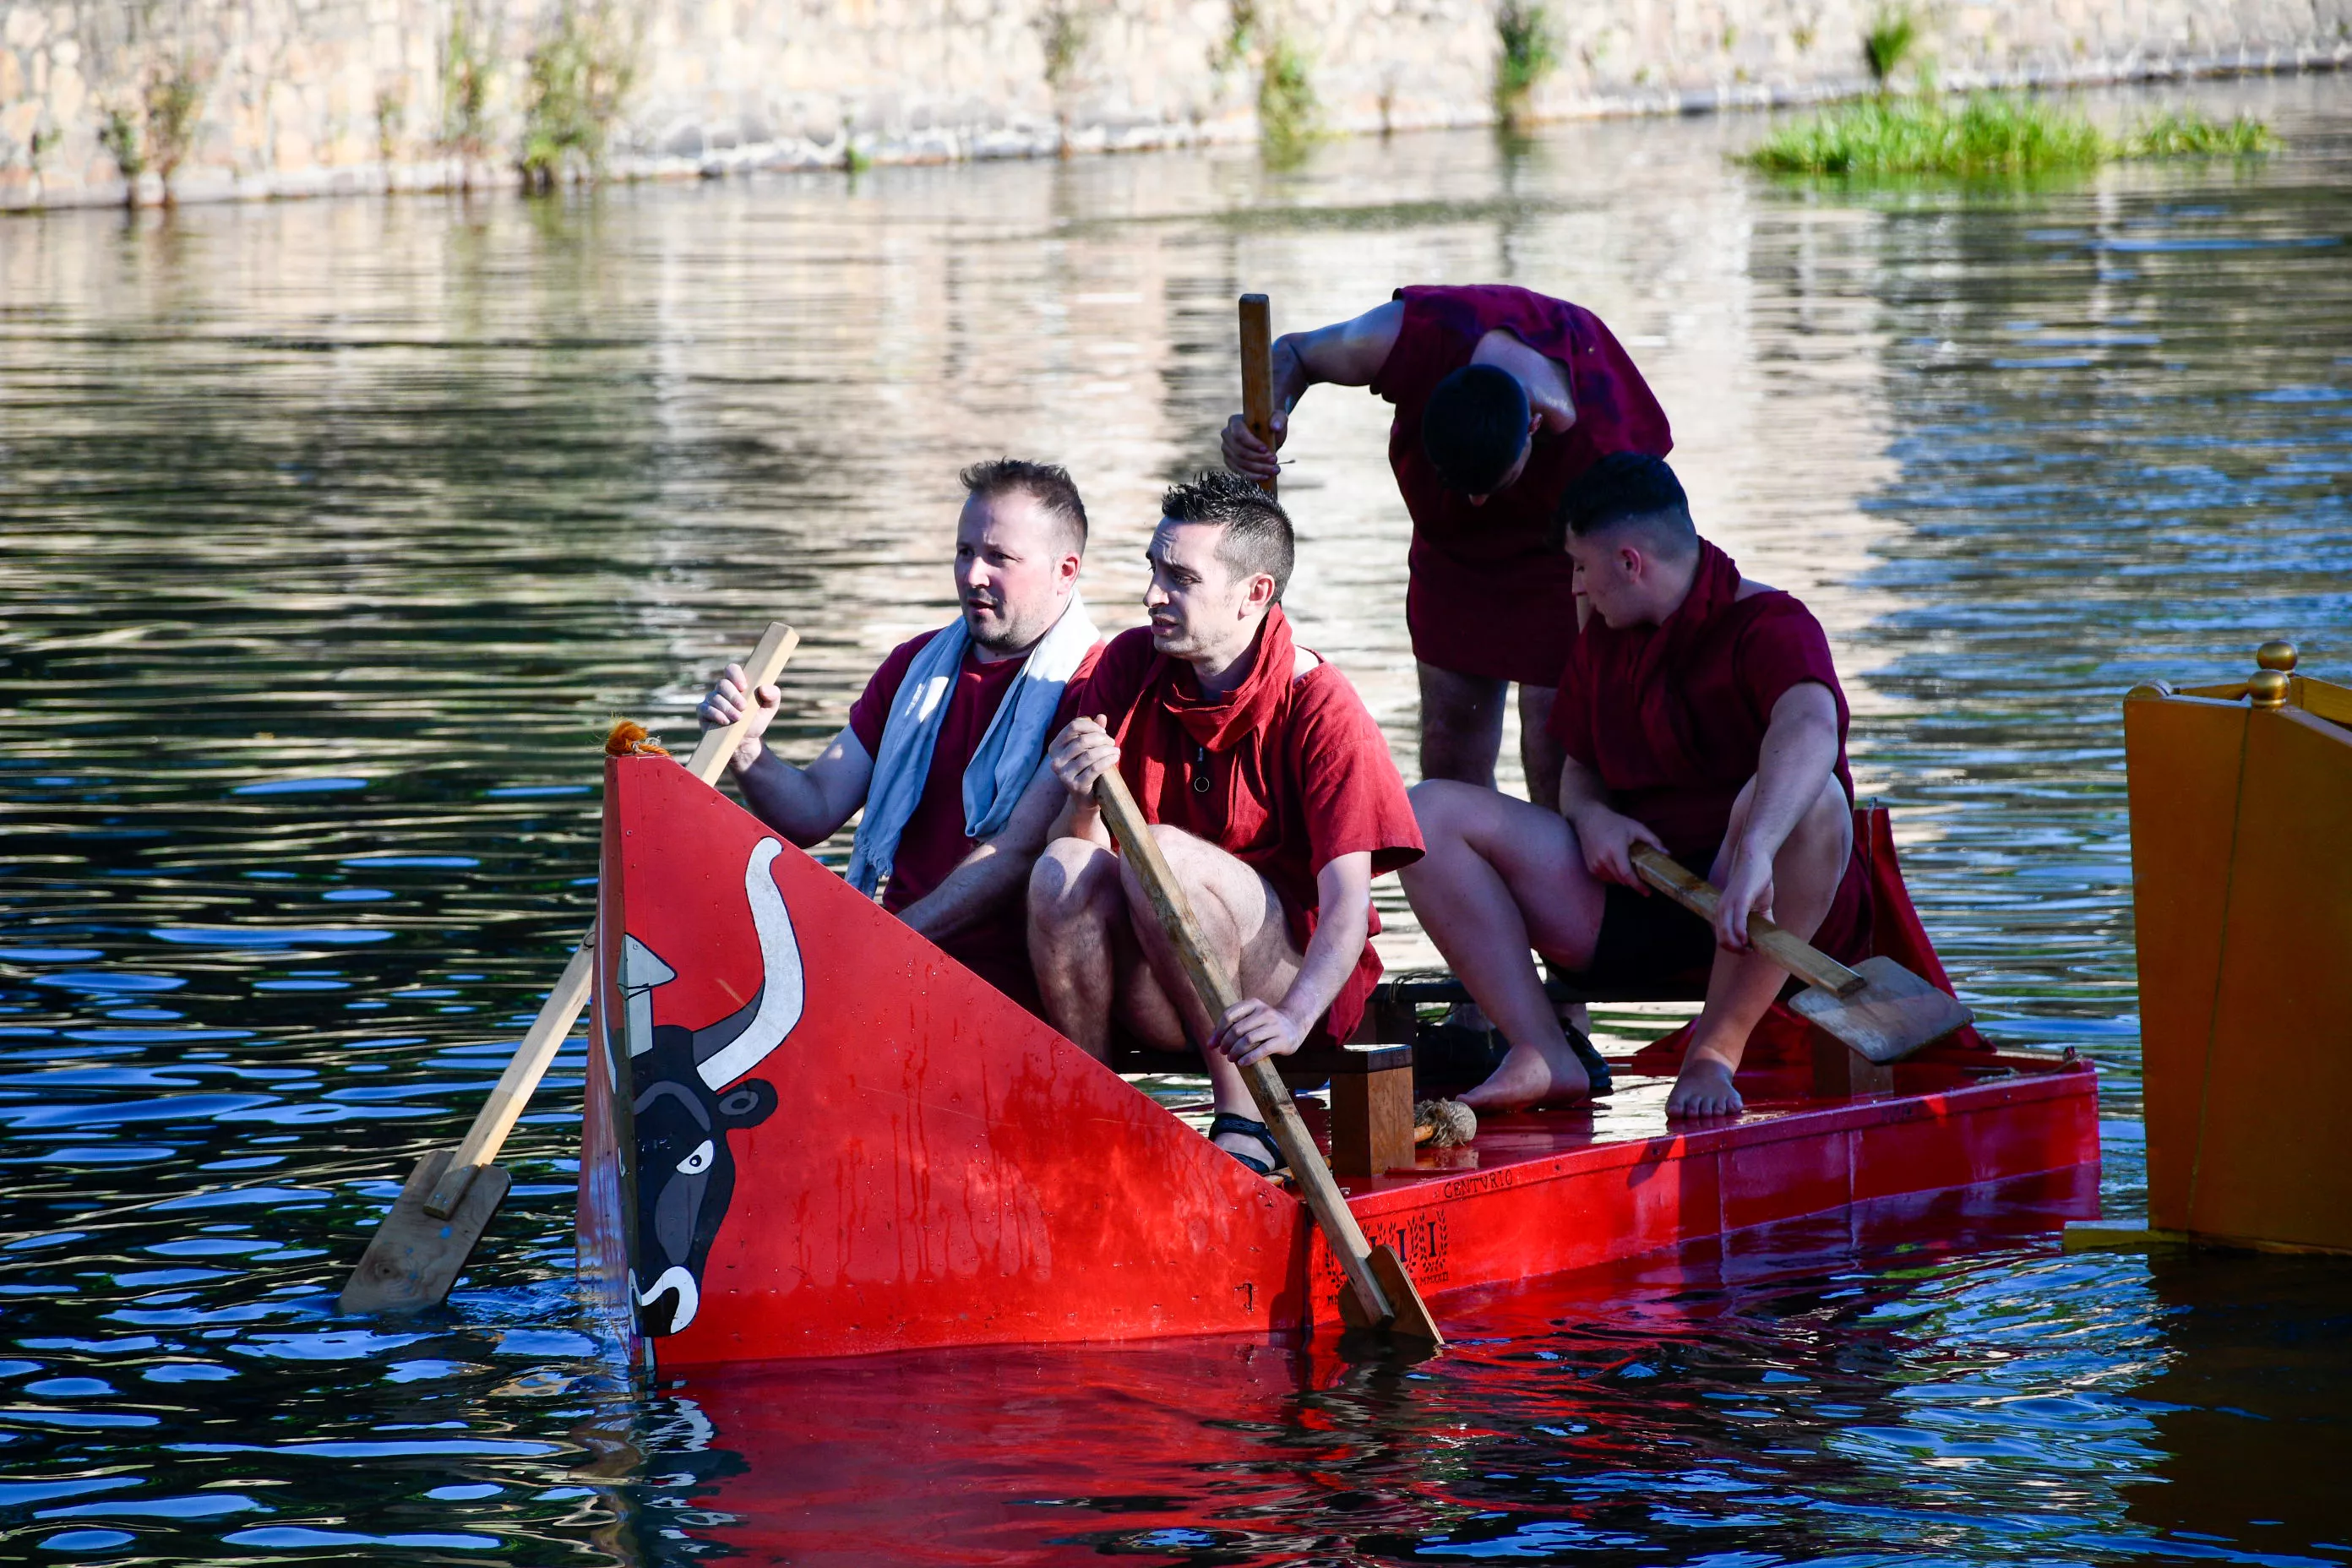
{"x":1461,"y":725}
{"x":1740,"y":986}
{"x":1500,"y":875}
{"x":1540,"y":752}
{"x":1077,"y":925}
{"x":1242,"y":930}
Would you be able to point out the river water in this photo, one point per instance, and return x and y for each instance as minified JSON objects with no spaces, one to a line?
{"x":335,"y":533}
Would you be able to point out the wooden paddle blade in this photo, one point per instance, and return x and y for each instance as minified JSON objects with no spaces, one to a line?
{"x":1413,"y":1320}
{"x":413,"y":1257}
{"x":1891,"y":1017}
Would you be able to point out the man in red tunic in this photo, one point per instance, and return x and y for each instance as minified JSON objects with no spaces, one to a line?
{"x":1274,"y":799}
{"x":1503,"y":397}
{"x":1701,"y":714}
{"x":941,"y":748}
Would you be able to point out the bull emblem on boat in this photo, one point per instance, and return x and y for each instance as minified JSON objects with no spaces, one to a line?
{"x":689,"y":1091}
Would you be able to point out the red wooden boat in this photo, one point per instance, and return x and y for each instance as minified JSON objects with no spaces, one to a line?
{"x":811,"y":1133}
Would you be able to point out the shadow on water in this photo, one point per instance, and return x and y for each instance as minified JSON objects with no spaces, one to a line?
{"x":336,"y":532}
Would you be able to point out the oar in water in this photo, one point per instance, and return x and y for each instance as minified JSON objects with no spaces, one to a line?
{"x":418,"y":1250}
{"x":1878,"y":1008}
{"x":1257,"y":373}
{"x":1382,"y":1294}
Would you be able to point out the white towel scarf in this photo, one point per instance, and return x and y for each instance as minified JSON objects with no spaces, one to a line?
{"x":1008,"y":753}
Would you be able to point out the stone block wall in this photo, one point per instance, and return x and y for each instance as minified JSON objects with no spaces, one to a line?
{"x":274,"y":98}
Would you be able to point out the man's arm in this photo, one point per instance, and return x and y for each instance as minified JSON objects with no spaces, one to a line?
{"x":808,"y":804}
{"x":1343,"y":898}
{"x":1604,"y":835}
{"x":997,"y":869}
{"x":1344,"y":353}
{"x":1800,"y":747}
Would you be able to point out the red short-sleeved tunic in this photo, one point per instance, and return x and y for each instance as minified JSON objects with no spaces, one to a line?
{"x":1297,"y":772}
{"x":1671,"y":718}
{"x":1491,"y":592}
{"x":934,"y":843}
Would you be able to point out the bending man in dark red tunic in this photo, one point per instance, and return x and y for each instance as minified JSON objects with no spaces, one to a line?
{"x":1503,"y":396}
{"x":941,"y":748}
{"x":1700,"y":713}
{"x":1274,"y":799}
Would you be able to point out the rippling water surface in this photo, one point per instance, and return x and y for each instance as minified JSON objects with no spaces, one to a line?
{"x":335,"y":533}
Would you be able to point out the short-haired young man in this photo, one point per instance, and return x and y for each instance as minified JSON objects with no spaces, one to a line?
{"x":1700,"y":713}
{"x":1273,"y":794}
{"x":941,"y":748}
{"x":1503,"y":397}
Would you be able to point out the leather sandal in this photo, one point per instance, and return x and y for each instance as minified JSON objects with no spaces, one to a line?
{"x":1226,"y":1122}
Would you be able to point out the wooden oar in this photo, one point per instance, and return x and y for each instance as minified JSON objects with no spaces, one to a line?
{"x":1382,"y":1294}
{"x":1257,"y":374}
{"x":1878,"y":1008}
{"x":418,"y":1250}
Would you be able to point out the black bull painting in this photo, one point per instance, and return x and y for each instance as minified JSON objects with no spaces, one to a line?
{"x":688,"y":1089}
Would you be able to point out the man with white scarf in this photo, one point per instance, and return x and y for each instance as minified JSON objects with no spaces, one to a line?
{"x":944,"y":740}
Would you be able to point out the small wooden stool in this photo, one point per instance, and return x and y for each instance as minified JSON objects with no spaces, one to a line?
{"x":1371,"y":1109}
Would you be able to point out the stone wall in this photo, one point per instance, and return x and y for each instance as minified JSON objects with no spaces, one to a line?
{"x":272,"y":98}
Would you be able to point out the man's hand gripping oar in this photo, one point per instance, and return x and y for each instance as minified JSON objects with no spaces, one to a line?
{"x":449,"y":1197}
{"x":1380,"y":1294}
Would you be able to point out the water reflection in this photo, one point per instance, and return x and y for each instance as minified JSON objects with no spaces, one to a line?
{"x":337,"y":531}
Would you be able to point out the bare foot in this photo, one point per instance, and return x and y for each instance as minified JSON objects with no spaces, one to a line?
{"x":1531,"y":1075}
{"x":1704,"y":1089}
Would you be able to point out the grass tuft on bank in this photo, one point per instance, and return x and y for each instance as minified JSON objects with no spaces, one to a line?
{"x":1987,"y":135}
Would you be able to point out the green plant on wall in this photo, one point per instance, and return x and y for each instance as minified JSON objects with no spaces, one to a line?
{"x":579,"y":75}
{"x":174,"y":98}
{"x":391,"y":114}
{"x":1286,"y":111}
{"x":1063,"y":33}
{"x":1526,"y":55}
{"x":465,"y":87}
{"x":120,"y":135}
{"x":1894,"y":34}
{"x":1288,"y":116}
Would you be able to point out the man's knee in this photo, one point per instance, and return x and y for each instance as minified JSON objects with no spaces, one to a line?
{"x":1069,"y":882}
{"x":1442,"y":808}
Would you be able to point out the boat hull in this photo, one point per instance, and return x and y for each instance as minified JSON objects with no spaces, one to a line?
{"x":810,"y":1133}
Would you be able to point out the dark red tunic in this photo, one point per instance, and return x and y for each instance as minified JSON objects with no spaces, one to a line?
{"x":1491,"y":592}
{"x":934,"y":843}
{"x":1671,"y":718}
{"x":1296,"y":774}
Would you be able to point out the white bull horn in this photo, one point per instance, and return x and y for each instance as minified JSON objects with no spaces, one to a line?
{"x":782,"y":991}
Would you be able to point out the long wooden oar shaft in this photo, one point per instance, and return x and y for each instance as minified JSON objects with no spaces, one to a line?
{"x":548,"y":1032}
{"x":1218,"y":993}
{"x":1257,"y":373}
{"x":1703,"y":897}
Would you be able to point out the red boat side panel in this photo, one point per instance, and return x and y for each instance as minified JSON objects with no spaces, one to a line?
{"x":847,"y":1142}
{"x":1763,"y":1182}
{"x":1592,"y":1200}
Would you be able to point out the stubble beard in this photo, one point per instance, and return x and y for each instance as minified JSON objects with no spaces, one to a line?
{"x":1005,"y":632}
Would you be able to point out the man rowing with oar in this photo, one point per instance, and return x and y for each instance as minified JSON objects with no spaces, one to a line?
{"x":1700,"y":713}
{"x":946,"y":739}
{"x":1272,"y":793}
